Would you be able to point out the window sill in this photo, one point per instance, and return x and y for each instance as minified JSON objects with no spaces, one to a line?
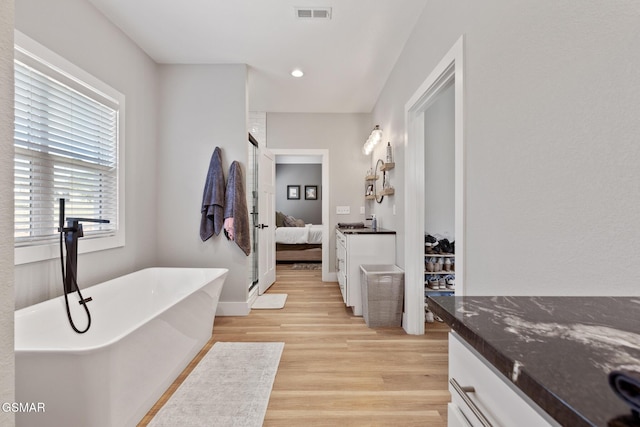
{"x":30,"y":254}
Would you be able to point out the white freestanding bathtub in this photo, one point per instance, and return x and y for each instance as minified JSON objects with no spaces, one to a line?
{"x":146,"y":327}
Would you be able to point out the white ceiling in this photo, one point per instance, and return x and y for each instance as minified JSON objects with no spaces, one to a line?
{"x":346,"y":59}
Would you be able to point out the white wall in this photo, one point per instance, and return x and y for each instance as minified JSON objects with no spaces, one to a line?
{"x":310,"y":211}
{"x":201,"y":107}
{"x":343,"y":135}
{"x":384,"y":210}
{"x":258,"y":127}
{"x":439,"y":166}
{"x":7,"y":374}
{"x":551,"y":108}
{"x":84,"y":37}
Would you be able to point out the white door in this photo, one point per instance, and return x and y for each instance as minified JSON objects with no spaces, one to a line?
{"x":266,"y":220}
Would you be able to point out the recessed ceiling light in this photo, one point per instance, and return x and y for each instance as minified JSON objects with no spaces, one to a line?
{"x":297,"y":73}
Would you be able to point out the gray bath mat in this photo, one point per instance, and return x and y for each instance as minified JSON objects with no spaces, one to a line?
{"x":307,"y":266}
{"x":270,"y":301}
{"x":230,"y":387}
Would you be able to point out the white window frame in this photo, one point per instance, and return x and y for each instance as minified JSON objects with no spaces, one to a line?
{"x":26,"y":47}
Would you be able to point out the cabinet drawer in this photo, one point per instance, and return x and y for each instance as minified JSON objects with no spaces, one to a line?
{"x":500,"y":402}
{"x":342,"y":280}
{"x":455,"y":417}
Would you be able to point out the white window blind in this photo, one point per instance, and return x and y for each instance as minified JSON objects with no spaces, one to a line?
{"x":66,"y":146}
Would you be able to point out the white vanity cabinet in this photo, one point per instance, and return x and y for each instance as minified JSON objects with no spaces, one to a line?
{"x":480,"y":396}
{"x":355,"y":248}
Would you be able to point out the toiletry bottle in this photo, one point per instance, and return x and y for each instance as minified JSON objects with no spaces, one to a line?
{"x":374,"y":222}
{"x":389,"y":153}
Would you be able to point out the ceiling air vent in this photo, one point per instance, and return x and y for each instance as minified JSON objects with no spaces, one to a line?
{"x":313,"y":13}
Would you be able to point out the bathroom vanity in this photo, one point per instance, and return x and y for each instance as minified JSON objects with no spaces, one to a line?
{"x":538,"y":361}
{"x":357,"y":246}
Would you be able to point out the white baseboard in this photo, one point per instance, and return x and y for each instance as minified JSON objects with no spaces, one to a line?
{"x":405,"y":321}
{"x":233,"y":308}
{"x":330,"y":277}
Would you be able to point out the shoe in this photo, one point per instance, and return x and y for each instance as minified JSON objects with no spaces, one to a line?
{"x":430,"y":244}
{"x":445,"y":246}
{"x":430,"y":265}
{"x":428,"y":317}
{"x":451,"y":283}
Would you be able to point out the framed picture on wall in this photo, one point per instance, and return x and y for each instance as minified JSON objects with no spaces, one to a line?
{"x":293,"y":192}
{"x":311,"y":192}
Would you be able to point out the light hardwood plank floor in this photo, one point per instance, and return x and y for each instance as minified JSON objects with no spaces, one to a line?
{"x":335,"y":370}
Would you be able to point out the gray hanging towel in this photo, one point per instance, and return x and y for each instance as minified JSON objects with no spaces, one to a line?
{"x":236,"y":215}
{"x":213,"y":198}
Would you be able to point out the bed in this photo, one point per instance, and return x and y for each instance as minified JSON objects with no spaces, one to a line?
{"x":302,"y":244}
{"x":309,"y":234}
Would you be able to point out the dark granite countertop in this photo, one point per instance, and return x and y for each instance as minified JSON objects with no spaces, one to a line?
{"x":562,"y":348}
{"x":365,"y":230}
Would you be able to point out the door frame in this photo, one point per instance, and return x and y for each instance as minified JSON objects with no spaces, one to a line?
{"x":255,"y":256}
{"x":450,"y":67}
{"x":324,"y":154}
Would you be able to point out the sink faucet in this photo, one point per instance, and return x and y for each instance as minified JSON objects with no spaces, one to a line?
{"x":72,"y":232}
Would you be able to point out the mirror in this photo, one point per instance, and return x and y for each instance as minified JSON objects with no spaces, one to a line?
{"x":379,"y":183}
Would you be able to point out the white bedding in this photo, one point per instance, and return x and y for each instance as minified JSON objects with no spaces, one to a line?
{"x":310,"y":234}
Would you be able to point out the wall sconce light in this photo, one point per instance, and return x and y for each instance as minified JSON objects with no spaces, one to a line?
{"x":374,"y":138}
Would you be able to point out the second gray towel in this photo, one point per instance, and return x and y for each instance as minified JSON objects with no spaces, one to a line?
{"x":236,"y":215}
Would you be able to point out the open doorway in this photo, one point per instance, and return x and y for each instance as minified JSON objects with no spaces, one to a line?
{"x":307,"y":193}
{"x":447,"y":76}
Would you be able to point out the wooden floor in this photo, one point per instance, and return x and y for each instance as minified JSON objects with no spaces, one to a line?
{"x":335,"y":370}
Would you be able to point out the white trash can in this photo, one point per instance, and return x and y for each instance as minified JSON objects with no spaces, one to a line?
{"x":382,"y":294}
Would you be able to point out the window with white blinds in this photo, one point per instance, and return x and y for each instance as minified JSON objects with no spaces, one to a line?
{"x":66,"y":138}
